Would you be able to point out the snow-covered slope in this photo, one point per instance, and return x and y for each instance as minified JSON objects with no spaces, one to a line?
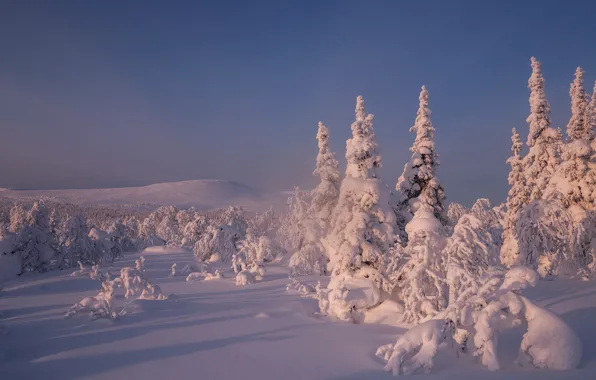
{"x":217,"y":330}
{"x":203,"y":194}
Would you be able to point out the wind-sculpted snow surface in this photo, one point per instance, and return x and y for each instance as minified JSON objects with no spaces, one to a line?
{"x":217,"y":330}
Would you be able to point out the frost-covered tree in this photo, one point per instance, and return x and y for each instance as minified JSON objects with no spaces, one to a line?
{"x":574,"y":178}
{"x":578,"y":127}
{"x":545,"y":233}
{"x":420,"y":275}
{"x":194,"y":230}
{"x":168,"y":230}
{"x":117,"y":234}
{"x":361,"y":233}
{"x":544,"y":142}
{"x":489,"y":218}
{"x":470,"y":251}
{"x":235,"y":217}
{"x":18,"y":216}
{"x":217,"y":243}
{"x":324,"y":197}
{"x":77,"y":246}
{"x":419,"y":182}
{"x":316,"y":220}
{"x":454,"y":212}
{"x":517,"y":197}
{"x":263,"y":224}
{"x":291,"y":231}
{"x":35,"y":244}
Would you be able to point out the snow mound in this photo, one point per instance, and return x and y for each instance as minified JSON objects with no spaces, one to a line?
{"x":549,"y":342}
{"x":168,"y":249}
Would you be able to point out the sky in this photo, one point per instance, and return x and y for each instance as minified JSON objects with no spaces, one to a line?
{"x":128,"y":93}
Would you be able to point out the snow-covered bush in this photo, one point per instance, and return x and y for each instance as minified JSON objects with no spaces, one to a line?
{"x":220,"y":240}
{"x":416,"y":348}
{"x":217,"y":275}
{"x":244,"y":278}
{"x":99,"y":306}
{"x":301,"y":287}
{"x":496,"y":306}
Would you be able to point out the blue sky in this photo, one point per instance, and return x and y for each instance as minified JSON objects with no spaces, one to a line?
{"x":119,"y":93}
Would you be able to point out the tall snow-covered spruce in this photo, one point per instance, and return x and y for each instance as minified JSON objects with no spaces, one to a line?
{"x":316,"y":221}
{"x":419,"y":182}
{"x":544,"y":142}
{"x":361,"y":231}
{"x":574,"y":178}
{"x":516,"y":198}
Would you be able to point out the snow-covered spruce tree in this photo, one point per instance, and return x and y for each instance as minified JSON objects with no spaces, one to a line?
{"x":421,"y":274}
{"x":311,"y":256}
{"x":194,"y":230}
{"x":117,"y":234}
{"x":517,"y":197}
{"x":18,"y":216}
{"x":168,"y":229}
{"x":490,"y":220}
{"x":545,"y":234}
{"x":234,"y":217}
{"x":470,"y":252}
{"x":324,"y":197}
{"x":574,"y":178}
{"x":291,"y":231}
{"x":544,"y":142}
{"x":419,"y":182}
{"x":34,"y":244}
{"x":217,"y":243}
{"x":454,"y":212}
{"x":361,"y":231}
{"x":263,"y":224}
{"x":77,"y":246}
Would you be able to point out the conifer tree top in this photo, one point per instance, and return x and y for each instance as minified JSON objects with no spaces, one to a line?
{"x":516,"y":143}
{"x":425,"y":133}
{"x":578,"y":127}
{"x":539,"y":118}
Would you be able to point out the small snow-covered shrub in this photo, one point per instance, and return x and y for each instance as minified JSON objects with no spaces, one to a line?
{"x":417,"y":348}
{"x":194,"y":276}
{"x":218,"y":275}
{"x":496,"y":306}
{"x":300,"y":287}
{"x":245,"y":278}
{"x":83,"y":271}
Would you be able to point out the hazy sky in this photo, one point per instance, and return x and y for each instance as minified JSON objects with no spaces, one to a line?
{"x":116,"y":93}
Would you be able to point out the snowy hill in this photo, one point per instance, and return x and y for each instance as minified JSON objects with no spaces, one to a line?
{"x":203,"y":194}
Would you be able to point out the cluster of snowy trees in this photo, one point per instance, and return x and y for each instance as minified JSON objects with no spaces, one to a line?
{"x":47,"y":236}
{"x":408,"y":247}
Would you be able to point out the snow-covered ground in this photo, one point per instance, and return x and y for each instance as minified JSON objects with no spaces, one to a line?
{"x":217,"y":330}
{"x":204,"y":194}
